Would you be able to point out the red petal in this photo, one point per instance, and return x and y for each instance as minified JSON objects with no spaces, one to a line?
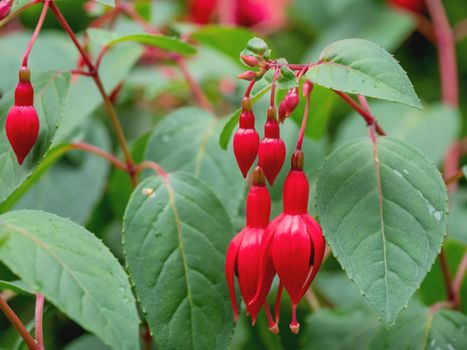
{"x":230,"y":264}
{"x":245,"y":143}
{"x":22,"y":129}
{"x":271,"y":156}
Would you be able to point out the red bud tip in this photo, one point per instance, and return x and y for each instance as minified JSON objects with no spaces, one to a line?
{"x":307,"y":88}
{"x":5,"y":7}
{"x":246,"y":104}
{"x":250,"y":61}
{"x":257,"y":178}
{"x":248,"y":75}
{"x":271,"y":112}
{"x":297,"y":160}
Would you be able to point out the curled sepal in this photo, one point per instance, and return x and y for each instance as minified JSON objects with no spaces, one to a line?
{"x":230,"y":270}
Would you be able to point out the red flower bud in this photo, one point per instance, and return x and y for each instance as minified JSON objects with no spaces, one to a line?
{"x":243,"y":254}
{"x":246,"y":141}
{"x":248,"y":75}
{"x":5,"y":7}
{"x":416,"y":6}
{"x":250,"y":61}
{"x":293,"y":240}
{"x":271,"y":151}
{"x":22,"y":122}
{"x":288,"y":104}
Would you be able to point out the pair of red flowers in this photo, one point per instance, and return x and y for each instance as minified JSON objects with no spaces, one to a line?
{"x":291,"y":245}
{"x":22,"y":122}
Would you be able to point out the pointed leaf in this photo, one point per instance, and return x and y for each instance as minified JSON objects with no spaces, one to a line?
{"x":384,"y":217}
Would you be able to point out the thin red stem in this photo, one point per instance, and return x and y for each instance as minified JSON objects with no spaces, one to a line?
{"x":447,"y":276}
{"x":100,"y":152}
{"x":459,"y":278}
{"x":20,"y":327}
{"x":39,"y":24}
{"x":369,"y":118}
{"x":151,"y":165}
{"x":100,"y":57}
{"x":38,"y":320}
{"x":249,"y":88}
{"x":456,"y":177}
{"x":304,"y":121}
{"x":446,"y":52}
{"x":273,"y":86}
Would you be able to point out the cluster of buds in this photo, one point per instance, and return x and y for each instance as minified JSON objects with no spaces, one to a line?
{"x":22,"y":122}
{"x":290,"y":246}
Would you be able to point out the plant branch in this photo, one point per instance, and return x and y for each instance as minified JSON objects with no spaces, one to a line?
{"x":306,"y":112}
{"x":38,"y":320}
{"x":447,"y":276}
{"x":39,"y":24}
{"x":101,"y":153}
{"x":147,"y":164}
{"x":16,"y":322}
{"x":456,"y":177}
{"x":446,"y":52}
{"x":458,"y":279}
{"x":369,"y":118}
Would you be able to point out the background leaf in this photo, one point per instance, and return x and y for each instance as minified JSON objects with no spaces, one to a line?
{"x":175,"y":236}
{"x":361,"y":67}
{"x":404,"y":201}
{"x":67,"y":263}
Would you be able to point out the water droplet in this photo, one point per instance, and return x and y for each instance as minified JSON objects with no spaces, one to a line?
{"x":397,"y":173}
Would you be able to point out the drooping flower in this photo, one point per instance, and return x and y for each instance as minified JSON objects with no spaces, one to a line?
{"x":293,"y":241}
{"x":243,"y":254}
{"x":246,"y":139}
{"x":22,"y":122}
{"x":271,"y":151}
{"x":288,"y":104}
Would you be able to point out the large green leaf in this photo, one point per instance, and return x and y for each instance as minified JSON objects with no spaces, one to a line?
{"x":72,"y":187}
{"x":87,"y":342}
{"x":384,"y":212}
{"x":228,"y":40}
{"x":175,"y":235}
{"x":74,"y":270}
{"x":187,"y":140}
{"x":51,"y":91}
{"x":432,"y":130}
{"x":361,"y":67}
{"x":163,"y":42}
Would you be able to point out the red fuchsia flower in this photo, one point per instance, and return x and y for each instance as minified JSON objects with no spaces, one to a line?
{"x":288,"y":104}
{"x":243,"y":253}
{"x":246,"y":138}
{"x":202,"y":11}
{"x":416,"y":6}
{"x":22,"y":122}
{"x":294,"y":241}
{"x":271,"y":151}
{"x":5,"y":7}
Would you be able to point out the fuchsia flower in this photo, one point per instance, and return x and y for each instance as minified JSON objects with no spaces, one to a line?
{"x":243,"y":254}
{"x":246,"y":139}
{"x":271,"y":151}
{"x":22,"y":122}
{"x":293,"y":241}
{"x":288,"y":104}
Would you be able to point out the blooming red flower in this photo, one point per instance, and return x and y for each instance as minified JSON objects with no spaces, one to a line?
{"x":293,"y":240}
{"x":22,"y":122}
{"x":246,"y":139}
{"x":417,"y":6}
{"x":243,"y":253}
{"x":271,"y":151}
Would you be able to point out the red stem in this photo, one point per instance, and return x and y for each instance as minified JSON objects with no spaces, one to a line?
{"x":16,"y":322}
{"x":446,"y":52}
{"x":39,"y":24}
{"x":304,"y":121}
{"x":459,"y":278}
{"x":147,"y":164}
{"x":447,"y":276}
{"x":273,"y":86}
{"x":38,"y":319}
{"x":101,"y":153}
{"x":249,"y":88}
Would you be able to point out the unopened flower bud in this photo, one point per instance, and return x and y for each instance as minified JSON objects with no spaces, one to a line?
{"x":248,"y":75}
{"x":250,"y":61}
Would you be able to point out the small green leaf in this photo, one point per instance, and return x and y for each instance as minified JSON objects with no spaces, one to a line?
{"x":257,"y":46}
{"x":287,"y":80}
{"x":383,"y":210}
{"x":228,"y":40}
{"x":67,"y":264}
{"x":167,"y":43}
{"x":175,"y":235}
{"x":361,"y":67}
{"x":51,"y":92}
{"x":232,"y":122}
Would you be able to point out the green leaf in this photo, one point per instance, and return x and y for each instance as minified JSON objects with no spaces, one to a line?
{"x":228,"y":40}
{"x":175,"y":235}
{"x":384,"y":212}
{"x":167,"y":43}
{"x":87,"y":342}
{"x":75,"y":272}
{"x":107,"y":2}
{"x":257,"y":46}
{"x":361,"y":67}
{"x":73,"y":186}
{"x":287,"y":79}
{"x":458,"y":215}
{"x":17,"y":286}
{"x":51,"y":91}
{"x":232,"y":122}
{"x":464,"y":169}
{"x":187,"y":140}
{"x":432,"y":130}
{"x":419,"y":328}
